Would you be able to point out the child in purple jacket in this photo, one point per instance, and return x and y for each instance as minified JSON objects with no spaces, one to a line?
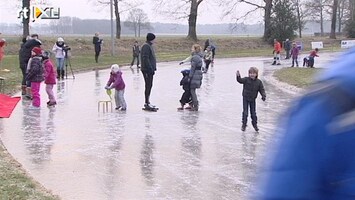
{"x":118,"y":84}
{"x":294,"y":53}
{"x":49,"y":77}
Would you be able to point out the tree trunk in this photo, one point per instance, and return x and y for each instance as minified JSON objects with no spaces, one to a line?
{"x":118,"y":20}
{"x":139,"y":29}
{"x":334,"y":19}
{"x":299,"y":19}
{"x":321,"y":22}
{"x":267,"y":18}
{"x":26,"y":22}
{"x":192,"y":21}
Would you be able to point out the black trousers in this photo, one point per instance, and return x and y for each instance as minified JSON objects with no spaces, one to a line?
{"x":97,"y":54}
{"x":207,"y":62}
{"x":23,"y":68}
{"x":246,"y":105}
{"x":186,"y":97}
{"x":148,"y":79}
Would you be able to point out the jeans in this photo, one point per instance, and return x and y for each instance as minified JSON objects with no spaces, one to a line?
{"x":246,"y":105}
{"x":148,"y":79}
{"x":119,"y":99}
{"x":60,"y":63}
{"x":36,"y":98}
{"x":294,"y":60}
{"x":49,"y":90}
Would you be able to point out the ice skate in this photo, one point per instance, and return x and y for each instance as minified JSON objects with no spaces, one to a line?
{"x":256,"y":128}
{"x":243,"y":127}
{"x":150,"y":107}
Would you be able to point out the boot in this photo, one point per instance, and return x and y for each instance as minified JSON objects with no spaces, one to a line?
{"x":58,"y":74}
{"x":256,"y":127}
{"x":23,"y":89}
{"x":274,"y":63}
{"x":244,"y":126}
{"x":28,"y":94}
{"x":62,"y":73}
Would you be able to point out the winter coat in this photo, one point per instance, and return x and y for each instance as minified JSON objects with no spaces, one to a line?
{"x":149,"y":62}
{"x":35,"y":72}
{"x":27,"y":48}
{"x":185,"y":82}
{"x":135,"y":50}
{"x":287,"y":45}
{"x":21,"y":57}
{"x":97,"y":43}
{"x":277,"y":47}
{"x":116,"y":81}
{"x":315,"y":157}
{"x":295,"y":52}
{"x":49,"y":72}
{"x":58,"y":50}
{"x":313,"y":54}
{"x":195,"y":71}
{"x":251,"y":88}
{"x":2,"y":51}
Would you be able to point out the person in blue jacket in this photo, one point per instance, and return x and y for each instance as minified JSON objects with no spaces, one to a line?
{"x":315,"y":157}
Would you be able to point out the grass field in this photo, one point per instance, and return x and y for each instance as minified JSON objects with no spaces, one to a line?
{"x":299,"y":77}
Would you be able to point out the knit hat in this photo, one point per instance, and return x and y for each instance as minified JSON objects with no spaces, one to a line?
{"x":60,"y":39}
{"x":115,"y":68}
{"x":150,"y":36}
{"x":37,"y":50}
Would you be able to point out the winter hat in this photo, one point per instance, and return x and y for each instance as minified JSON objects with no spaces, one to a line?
{"x":115,"y":68}
{"x":150,"y":36}
{"x":185,"y":72}
{"x":37,"y":50}
{"x":60,"y":39}
{"x":46,"y":54}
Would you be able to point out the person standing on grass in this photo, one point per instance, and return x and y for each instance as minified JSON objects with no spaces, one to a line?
{"x":251,"y":87}
{"x":287,"y":47}
{"x":97,"y":44}
{"x":148,"y":67}
{"x":135,"y":52}
{"x":277,"y":53}
{"x":294,"y":54}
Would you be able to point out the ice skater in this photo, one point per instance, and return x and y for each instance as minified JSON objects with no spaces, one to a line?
{"x":186,"y":96}
{"x":251,"y":87}
{"x":207,"y":58}
{"x":35,"y":76}
{"x":49,"y":77}
{"x":135,"y":53}
{"x":294,"y":54}
{"x":116,"y":81}
{"x":277,"y":53}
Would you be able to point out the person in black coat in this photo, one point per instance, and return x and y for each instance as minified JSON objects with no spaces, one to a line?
{"x":23,"y":66}
{"x":25,"y":55}
{"x":251,"y":87}
{"x":97,"y":44}
{"x":185,"y":83}
{"x":148,"y":67}
{"x":135,"y":52}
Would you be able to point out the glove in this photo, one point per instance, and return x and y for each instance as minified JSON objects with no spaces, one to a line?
{"x":107,"y":87}
{"x":181,"y":63}
{"x":263,"y":98}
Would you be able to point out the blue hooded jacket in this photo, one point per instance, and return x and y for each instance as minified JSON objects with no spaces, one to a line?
{"x":315,"y":158}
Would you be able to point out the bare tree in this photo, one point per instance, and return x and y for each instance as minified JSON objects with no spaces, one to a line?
{"x":26,"y":21}
{"x":231,"y":8}
{"x":300,"y":13}
{"x":317,"y":10}
{"x":343,"y":12}
{"x":334,"y":19}
{"x":181,"y":9}
{"x":137,"y":20}
{"x":119,"y":7}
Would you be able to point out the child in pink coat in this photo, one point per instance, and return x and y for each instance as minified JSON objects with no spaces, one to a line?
{"x":49,"y":78}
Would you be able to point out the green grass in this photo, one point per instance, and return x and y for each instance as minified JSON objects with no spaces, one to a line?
{"x":299,"y":77}
{"x":15,"y":184}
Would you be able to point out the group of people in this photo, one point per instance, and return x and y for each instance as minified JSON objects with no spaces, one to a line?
{"x":293,"y":51}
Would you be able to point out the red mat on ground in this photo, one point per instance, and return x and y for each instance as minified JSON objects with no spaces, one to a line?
{"x":7,"y":105}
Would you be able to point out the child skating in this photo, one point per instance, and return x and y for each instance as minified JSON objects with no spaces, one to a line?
{"x":294,"y":54}
{"x":186,"y":96}
{"x":49,"y":78}
{"x":116,"y":82}
{"x":251,"y":87}
{"x":207,"y":58}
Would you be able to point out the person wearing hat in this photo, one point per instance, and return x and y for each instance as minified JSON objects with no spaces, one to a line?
{"x":35,"y":73}
{"x":60,"y":57}
{"x":26,"y":54}
{"x":116,"y":82}
{"x":148,"y":67}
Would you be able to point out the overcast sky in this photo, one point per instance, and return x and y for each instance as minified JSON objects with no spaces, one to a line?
{"x":209,"y":12}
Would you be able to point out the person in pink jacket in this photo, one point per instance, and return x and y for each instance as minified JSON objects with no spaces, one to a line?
{"x":49,"y":78}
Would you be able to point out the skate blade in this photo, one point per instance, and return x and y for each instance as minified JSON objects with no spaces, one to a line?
{"x":150,"y":109}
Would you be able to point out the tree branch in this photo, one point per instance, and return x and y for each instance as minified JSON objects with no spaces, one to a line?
{"x":251,"y":3}
{"x":198,"y":2}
